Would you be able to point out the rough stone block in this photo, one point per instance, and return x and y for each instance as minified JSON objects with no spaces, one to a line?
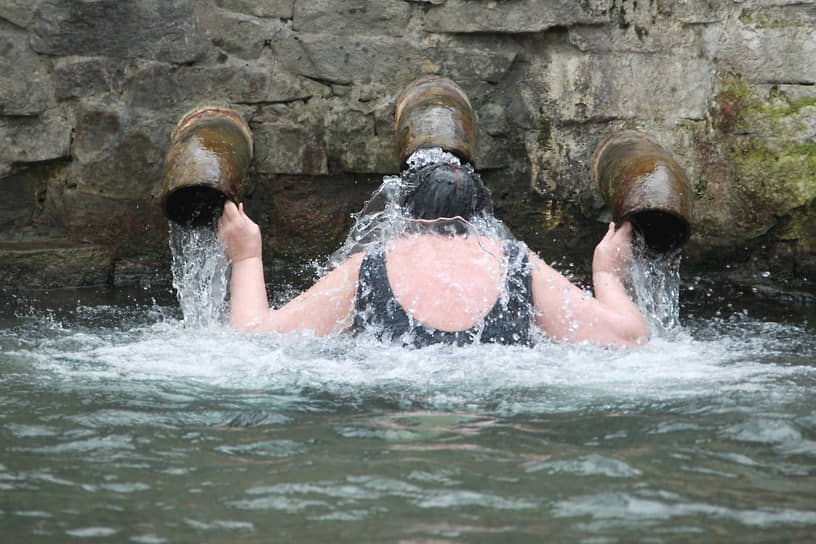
{"x":342,"y":59}
{"x":693,"y":12}
{"x":281,"y":9}
{"x":659,"y":38}
{"x":52,"y":263}
{"x":19,"y":12}
{"x":160,"y":86}
{"x":289,"y":139}
{"x":117,"y":153}
{"x":471,"y":64}
{"x":133,"y":226}
{"x":757,"y":157}
{"x":512,"y":16}
{"x":386,"y":60}
{"x":25,"y":84}
{"x":774,"y":44}
{"x":99,"y":129}
{"x":629,"y":86}
{"x":17,"y":204}
{"x":354,"y":145}
{"x":79,"y":77}
{"x":35,"y":139}
{"x":352,"y":17}
{"x":151,"y":29}
{"x":307,"y":216}
{"x":237,"y":34}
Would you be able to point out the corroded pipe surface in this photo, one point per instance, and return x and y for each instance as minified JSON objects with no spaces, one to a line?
{"x":435,"y":112}
{"x":205,"y":165}
{"x":641,"y":182}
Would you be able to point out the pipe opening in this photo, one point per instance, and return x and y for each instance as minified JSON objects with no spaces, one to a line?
{"x":196,"y":205}
{"x":662,"y":231}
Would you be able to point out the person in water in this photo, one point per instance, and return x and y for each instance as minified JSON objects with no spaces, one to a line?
{"x":447,"y":283}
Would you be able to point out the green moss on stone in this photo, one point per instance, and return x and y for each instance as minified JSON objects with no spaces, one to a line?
{"x":544,"y":132}
{"x":780,"y":172}
{"x":773,"y":162}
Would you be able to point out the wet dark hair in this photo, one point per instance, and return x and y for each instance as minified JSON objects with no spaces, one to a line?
{"x":444,"y":190}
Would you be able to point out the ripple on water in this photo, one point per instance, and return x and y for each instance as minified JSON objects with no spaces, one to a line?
{"x":628,"y":507}
{"x":91,"y":532}
{"x":589,"y":465}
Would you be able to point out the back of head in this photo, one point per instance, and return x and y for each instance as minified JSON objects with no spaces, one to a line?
{"x":444,"y":190}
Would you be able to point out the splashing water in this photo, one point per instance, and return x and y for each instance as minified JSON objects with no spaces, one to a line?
{"x":200,"y":275}
{"x":655,"y":287}
{"x":382,"y":218}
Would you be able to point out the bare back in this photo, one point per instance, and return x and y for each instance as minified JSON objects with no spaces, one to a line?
{"x":445,"y":283}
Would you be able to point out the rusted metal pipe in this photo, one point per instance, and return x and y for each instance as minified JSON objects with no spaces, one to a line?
{"x":206,"y":164}
{"x":435,"y":112}
{"x":642,"y":183}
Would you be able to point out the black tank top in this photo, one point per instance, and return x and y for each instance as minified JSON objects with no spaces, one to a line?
{"x":508,"y":322}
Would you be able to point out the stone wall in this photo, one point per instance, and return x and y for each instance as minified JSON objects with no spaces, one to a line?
{"x":90,"y":91}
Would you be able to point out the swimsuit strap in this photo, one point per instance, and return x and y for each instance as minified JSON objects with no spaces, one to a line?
{"x":509,"y":321}
{"x":378,"y":311}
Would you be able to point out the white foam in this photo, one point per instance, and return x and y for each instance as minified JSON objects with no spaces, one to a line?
{"x":545,"y":378}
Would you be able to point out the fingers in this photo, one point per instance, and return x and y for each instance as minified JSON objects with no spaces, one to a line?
{"x":228,"y":217}
{"x":610,"y":232}
{"x":231,"y":210}
{"x":624,"y":233}
{"x":626,"y":228}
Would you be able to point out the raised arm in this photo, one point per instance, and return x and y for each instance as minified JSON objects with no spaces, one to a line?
{"x":610,"y":318}
{"x":326,"y":308}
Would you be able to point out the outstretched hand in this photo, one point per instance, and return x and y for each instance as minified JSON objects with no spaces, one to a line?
{"x":613,"y":254}
{"x":240,"y":235}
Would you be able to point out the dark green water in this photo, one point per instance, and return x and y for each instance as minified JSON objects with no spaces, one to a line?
{"x":119,"y":423}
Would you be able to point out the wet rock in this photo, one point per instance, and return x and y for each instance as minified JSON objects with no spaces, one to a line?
{"x":46,"y":264}
{"x":164,"y":31}
{"x":17,"y":206}
{"x":305,"y":217}
{"x":149,"y":275}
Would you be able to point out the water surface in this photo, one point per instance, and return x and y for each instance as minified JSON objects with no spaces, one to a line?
{"x":122,"y":422}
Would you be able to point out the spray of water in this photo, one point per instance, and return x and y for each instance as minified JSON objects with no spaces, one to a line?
{"x":382,"y":218}
{"x":200,"y":275}
{"x":655,"y":287}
